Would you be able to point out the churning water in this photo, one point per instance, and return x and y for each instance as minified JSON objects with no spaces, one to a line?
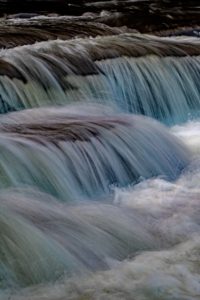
{"x":98,"y":199}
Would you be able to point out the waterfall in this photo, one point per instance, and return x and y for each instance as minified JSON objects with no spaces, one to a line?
{"x":42,"y":241}
{"x":73,"y":155}
{"x":98,"y":199}
{"x":138,"y":74}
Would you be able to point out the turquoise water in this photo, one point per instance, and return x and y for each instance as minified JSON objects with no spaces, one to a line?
{"x":99,"y":200}
{"x":156,"y":77}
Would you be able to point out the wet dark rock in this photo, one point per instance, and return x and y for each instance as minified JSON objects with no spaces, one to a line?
{"x":142,"y":15}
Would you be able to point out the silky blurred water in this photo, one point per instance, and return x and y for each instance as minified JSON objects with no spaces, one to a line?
{"x":156,"y":77}
{"x":143,"y":241}
{"x":98,"y":199}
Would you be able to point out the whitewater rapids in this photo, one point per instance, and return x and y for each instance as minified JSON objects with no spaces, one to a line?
{"x":149,"y":233}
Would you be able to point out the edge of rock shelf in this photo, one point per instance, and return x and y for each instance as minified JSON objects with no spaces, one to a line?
{"x":142,"y":15}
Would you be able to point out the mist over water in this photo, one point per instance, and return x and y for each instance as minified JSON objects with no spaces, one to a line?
{"x":99,"y":199}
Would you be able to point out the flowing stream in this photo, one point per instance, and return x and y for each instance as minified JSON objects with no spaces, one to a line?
{"x":100,"y":169}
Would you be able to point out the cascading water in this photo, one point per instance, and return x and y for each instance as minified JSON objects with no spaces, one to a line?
{"x":74,"y":155}
{"x":62,"y":239}
{"x":97,"y":202}
{"x":138,"y":74}
{"x":43,"y":241}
